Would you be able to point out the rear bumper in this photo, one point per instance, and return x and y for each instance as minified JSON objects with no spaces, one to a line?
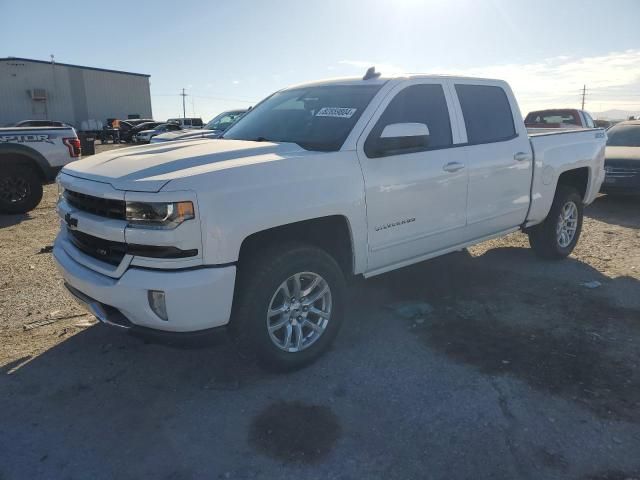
{"x":197,"y":299}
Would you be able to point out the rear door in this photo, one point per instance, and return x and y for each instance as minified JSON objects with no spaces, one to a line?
{"x":498,"y":155}
{"x":416,"y":199}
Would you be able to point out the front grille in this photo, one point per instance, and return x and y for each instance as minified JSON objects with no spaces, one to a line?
{"x":105,"y":250}
{"x":112,"y":252}
{"x":103,"y":207}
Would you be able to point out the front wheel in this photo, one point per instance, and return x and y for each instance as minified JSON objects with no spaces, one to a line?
{"x":557,"y":236}
{"x":289,"y":305}
{"x":20,"y":189}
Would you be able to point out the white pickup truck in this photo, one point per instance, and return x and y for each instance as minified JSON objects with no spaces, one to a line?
{"x":29,"y":157}
{"x":319,"y":182}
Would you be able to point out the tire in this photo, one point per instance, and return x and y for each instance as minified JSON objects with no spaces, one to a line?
{"x":260,"y":288}
{"x":546,"y":238}
{"x":20,"y":189}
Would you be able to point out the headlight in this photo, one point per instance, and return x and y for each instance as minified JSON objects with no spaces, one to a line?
{"x":60,"y":190}
{"x":158,"y":214}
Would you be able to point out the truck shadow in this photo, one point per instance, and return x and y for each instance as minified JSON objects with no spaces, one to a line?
{"x":507,"y":313}
{"x":622,"y":211}
{"x":503,"y":313}
{"x":11,"y":220}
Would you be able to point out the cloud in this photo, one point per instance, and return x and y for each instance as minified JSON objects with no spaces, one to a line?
{"x":612,"y":80}
{"x":236,"y":82}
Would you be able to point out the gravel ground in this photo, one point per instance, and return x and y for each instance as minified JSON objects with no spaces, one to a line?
{"x":483,"y":364}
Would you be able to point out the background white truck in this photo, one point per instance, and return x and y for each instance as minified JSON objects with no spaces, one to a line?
{"x":30,"y":157}
{"x":318,"y":182}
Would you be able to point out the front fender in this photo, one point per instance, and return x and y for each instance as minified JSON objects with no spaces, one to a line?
{"x":239,"y":202}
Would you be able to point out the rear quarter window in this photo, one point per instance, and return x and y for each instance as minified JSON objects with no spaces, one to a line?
{"x":487,"y":113}
{"x":589,"y":120}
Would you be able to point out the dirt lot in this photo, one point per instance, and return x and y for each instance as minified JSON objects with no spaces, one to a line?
{"x":484,"y":364}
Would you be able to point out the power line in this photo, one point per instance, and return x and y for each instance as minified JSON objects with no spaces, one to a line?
{"x":226,"y":98}
{"x":221,"y":98}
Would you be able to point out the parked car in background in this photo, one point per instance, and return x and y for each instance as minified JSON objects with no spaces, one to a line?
{"x":126,"y":125}
{"x":563,"y":118}
{"x":216,"y":127}
{"x":601,"y":123}
{"x":146,"y":135}
{"x":41,"y":123}
{"x":188,"y":122}
{"x":318,"y":182}
{"x":622,"y":159}
{"x":127,"y":135}
{"x":29,"y":157}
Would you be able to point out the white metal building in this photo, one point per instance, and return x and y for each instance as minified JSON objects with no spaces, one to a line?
{"x":80,"y":96}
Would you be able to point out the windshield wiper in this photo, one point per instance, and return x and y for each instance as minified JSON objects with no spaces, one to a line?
{"x":261,"y":139}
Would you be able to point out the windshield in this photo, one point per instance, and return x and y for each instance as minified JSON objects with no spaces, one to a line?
{"x":624,"y":136}
{"x":316,"y":118}
{"x":223,"y":121}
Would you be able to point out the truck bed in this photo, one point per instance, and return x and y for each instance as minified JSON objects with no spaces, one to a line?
{"x":558,"y":151}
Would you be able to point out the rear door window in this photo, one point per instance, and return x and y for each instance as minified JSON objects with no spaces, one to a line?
{"x":589,"y":120}
{"x":422,"y":103}
{"x":487,"y":113}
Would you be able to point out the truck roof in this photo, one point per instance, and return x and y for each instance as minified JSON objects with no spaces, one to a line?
{"x":385,"y":78}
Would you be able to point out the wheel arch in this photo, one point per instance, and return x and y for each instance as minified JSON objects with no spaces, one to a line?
{"x":577,"y":178}
{"x":331,"y":233}
{"x":22,"y":155}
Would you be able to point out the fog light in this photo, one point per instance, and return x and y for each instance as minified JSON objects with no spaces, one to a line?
{"x":157,"y":303}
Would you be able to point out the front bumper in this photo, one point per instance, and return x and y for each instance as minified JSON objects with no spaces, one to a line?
{"x":621,"y":185}
{"x":196,"y":299}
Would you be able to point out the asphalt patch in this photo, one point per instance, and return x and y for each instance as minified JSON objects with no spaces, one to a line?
{"x":294,"y":432}
{"x":574,"y":363}
{"x":613,"y":475}
{"x":559,"y":338}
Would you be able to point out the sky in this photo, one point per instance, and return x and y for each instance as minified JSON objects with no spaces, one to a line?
{"x":231,"y":54}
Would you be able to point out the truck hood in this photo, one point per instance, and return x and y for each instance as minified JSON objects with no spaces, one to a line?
{"x":622,"y":153}
{"x":187,"y":134}
{"x":148,"y":168}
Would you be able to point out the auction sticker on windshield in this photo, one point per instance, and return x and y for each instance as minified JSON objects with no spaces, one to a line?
{"x":337,"y":112}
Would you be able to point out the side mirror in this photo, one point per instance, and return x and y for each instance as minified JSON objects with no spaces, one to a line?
{"x":402,"y":138}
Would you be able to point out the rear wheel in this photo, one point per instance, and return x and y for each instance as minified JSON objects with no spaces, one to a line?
{"x":289,"y":305}
{"x":557,"y":236}
{"x":20,"y":189}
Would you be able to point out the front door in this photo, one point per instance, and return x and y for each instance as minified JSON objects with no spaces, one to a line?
{"x":416,"y":199}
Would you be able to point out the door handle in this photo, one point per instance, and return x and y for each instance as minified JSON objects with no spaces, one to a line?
{"x":521,"y":156}
{"x":453,"y":167}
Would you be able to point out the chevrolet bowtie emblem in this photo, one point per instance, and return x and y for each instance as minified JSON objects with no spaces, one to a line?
{"x":70,"y":221}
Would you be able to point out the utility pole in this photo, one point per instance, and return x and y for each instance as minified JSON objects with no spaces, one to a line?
{"x":584,"y":92}
{"x":184,"y":110}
